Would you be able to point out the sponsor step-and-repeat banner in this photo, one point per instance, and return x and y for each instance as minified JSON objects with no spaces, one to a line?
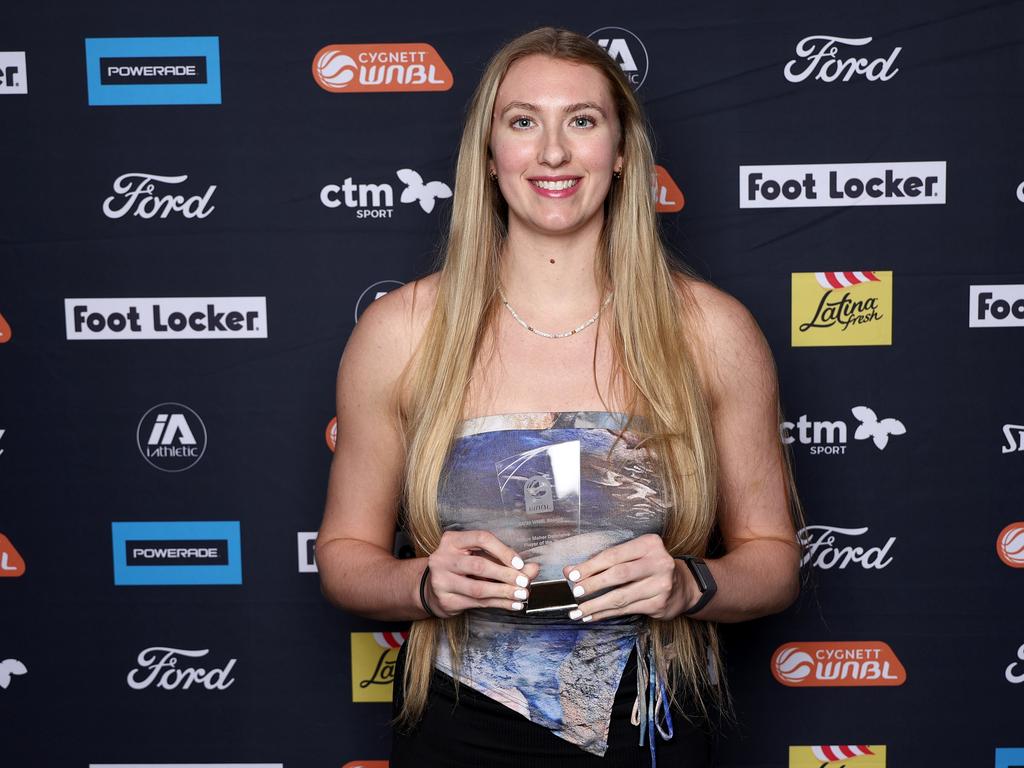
{"x":210,"y":199}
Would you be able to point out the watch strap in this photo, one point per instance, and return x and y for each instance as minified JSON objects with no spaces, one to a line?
{"x":705,"y":581}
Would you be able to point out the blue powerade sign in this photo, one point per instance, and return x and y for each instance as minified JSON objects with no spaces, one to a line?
{"x":208,"y":552}
{"x":152,"y":70}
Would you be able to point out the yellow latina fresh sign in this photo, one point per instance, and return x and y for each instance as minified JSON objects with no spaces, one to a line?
{"x":373,"y":664}
{"x":838,"y":756}
{"x":842,"y":309}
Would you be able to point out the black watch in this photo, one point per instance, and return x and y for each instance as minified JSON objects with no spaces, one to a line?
{"x":706,"y":582}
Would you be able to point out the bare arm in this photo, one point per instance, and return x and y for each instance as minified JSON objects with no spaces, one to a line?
{"x":358,"y":572}
{"x":759,"y":574}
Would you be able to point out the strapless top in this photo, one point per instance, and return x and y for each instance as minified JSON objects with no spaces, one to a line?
{"x":552,"y":486}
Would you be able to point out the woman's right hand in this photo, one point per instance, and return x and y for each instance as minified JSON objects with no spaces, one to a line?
{"x":474,"y":569}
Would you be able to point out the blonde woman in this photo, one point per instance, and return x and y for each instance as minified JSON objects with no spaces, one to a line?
{"x":565,"y":417}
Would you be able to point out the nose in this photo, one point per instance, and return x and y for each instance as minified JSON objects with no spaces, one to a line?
{"x":554,"y":150}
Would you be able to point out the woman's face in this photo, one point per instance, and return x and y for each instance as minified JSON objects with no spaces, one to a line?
{"x":554,"y":144}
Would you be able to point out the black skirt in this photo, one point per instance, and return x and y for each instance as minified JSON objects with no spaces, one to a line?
{"x":481,"y":731}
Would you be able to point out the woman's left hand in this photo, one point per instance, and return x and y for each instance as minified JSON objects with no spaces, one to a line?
{"x":641,"y":576}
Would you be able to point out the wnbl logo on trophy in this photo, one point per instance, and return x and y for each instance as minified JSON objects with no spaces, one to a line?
{"x":135,"y":71}
{"x":841,"y":309}
{"x":373,"y":664}
{"x":153,"y":553}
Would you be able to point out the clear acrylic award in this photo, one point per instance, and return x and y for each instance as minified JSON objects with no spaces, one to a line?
{"x":540,"y":495}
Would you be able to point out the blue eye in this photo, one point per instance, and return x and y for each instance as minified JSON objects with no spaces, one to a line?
{"x":518,"y":122}
{"x":586,"y":119}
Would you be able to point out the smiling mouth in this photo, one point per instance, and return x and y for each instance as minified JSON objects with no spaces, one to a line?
{"x":555,"y":185}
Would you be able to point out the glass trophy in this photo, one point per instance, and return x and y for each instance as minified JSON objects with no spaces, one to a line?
{"x":540,"y":496}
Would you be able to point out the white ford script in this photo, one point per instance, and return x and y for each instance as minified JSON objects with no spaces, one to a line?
{"x":826,"y":185}
{"x":159,"y":667}
{"x":220,"y":317}
{"x":136,"y":193}
{"x":818,"y":57}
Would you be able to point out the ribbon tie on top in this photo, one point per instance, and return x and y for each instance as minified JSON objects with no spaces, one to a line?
{"x":649,"y":701}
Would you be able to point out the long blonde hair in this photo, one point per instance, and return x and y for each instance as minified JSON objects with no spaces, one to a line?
{"x":653,"y":354}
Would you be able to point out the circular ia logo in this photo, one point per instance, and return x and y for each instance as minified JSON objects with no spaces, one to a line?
{"x":626,"y":49}
{"x":374,"y":292}
{"x":171,"y":437}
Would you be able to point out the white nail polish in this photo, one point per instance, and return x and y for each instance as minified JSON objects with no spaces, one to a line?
{"x":577,"y":590}
{"x":575,"y":614}
{"x":521,"y":594}
{"x":517,"y":562}
{"x":522,"y":581}
{"x":517,"y":606}
{"x":587,"y":618}
{"x":574,"y":575}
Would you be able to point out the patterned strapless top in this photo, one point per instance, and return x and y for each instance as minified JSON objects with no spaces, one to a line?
{"x":518,"y":476}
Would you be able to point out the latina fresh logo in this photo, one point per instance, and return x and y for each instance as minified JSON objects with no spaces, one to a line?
{"x":831,"y":309}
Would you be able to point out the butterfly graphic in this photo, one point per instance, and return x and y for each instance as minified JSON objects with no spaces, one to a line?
{"x":9,"y":667}
{"x":876,"y":429}
{"x":415,"y":189}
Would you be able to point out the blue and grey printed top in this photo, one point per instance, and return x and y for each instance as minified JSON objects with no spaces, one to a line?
{"x":510,"y":474}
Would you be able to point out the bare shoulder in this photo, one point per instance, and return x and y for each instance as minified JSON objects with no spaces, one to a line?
{"x":726,"y":339}
{"x":384,"y":339}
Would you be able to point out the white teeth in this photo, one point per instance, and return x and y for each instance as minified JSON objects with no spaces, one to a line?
{"x":554,"y":185}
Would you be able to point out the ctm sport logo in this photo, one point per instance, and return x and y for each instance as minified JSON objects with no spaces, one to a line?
{"x":377,"y":201}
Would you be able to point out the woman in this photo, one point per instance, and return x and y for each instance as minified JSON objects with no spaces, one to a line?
{"x":557,"y":319}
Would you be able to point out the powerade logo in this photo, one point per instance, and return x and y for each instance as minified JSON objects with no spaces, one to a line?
{"x":1009,"y":757}
{"x":152,"y":70}
{"x":177,"y":553}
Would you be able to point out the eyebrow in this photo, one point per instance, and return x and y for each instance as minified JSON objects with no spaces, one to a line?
{"x":571,"y":108}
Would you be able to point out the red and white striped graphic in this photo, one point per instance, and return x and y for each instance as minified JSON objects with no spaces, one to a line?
{"x":830,"y":280}
{"x":390,"y":639}
{"x":831,"y":752}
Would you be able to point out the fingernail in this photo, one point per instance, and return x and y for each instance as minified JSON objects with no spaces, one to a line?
{"x":577,"y":590}
{"x":575,"y":614}
{"x":517,"y":562}
{"x":587,"y":618}
{"x":517,"y":606}
{"x":574,"y":575}
{"x":521,"y":594}
{"x":522,"y":581}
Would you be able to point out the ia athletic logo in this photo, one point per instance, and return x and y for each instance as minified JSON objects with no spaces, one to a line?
{"x":627,"y":50}
{"x":374,"y":292}
{"x":5,"y":330}
{"x":171,"y":437}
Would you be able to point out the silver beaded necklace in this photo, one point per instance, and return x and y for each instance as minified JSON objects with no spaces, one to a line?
{"x":562,"y":334}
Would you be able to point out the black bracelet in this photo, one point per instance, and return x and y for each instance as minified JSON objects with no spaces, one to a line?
{"x":423,"y":594}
